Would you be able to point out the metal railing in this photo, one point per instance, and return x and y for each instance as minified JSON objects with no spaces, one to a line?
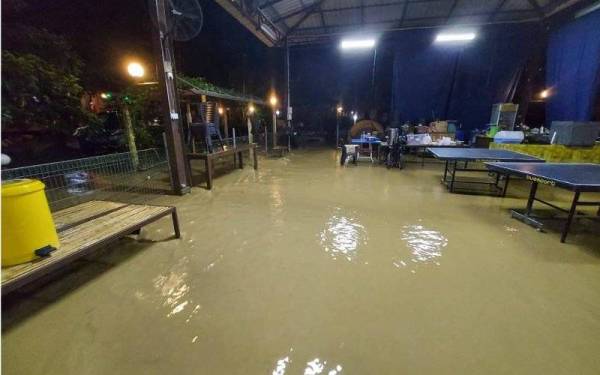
{"x":117,"y":177}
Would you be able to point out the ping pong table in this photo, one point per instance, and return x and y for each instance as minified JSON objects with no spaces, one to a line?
{"x":370,"y":141}
{"x":454,"y":157}
{"x":578,"y":178}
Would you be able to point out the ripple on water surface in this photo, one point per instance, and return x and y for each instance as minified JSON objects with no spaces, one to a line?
{"x":424,"y":246}
{"x":343,"y":236}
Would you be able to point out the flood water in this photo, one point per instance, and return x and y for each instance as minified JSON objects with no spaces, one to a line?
{"x":306,"y":267}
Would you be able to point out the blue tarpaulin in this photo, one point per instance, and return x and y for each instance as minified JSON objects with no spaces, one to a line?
{"x":459,"y":81}
{"x":573,"y":69}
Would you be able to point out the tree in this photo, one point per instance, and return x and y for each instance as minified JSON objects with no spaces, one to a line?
{"x":40,"y":82}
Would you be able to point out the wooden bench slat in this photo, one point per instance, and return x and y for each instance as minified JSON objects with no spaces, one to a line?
{"x":77,"y":241}
{"x":83,"y":212}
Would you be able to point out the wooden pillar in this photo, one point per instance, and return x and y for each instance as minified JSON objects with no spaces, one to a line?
{"x":225,"y":122}
{"x":163,"y":49}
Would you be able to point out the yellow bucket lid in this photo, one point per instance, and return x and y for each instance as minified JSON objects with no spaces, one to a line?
{"x":21,"y":186}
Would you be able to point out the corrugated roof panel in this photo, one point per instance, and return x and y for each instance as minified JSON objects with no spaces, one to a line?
{"x":421,"y":22}
{"x":382,"y":14}
{"x":516,"y":5}
{"x":468,"y":7}
{"x":521,"y":16}
{"x":466,"y":20}
{"x":290,"y":6}
{"x":428,"y":9}
{"x":343,"y":17}
{"x":290,"y":22}
{"x":337,"y":4}
{"x":311,"y":22}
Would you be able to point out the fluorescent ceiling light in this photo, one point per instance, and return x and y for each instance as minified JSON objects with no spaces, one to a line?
{"x":357,"y":43}
{"x":454,"y":37}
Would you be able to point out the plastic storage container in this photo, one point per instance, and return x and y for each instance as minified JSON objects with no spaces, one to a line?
{"x":27,"y":227}
{"x":506,"y":136}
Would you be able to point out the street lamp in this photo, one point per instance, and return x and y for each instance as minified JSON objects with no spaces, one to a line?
{"x":273,"y":100}
{"x":135,"y":69}
{"x":251,"y":109}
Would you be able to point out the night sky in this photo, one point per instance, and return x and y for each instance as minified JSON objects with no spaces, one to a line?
{"x":108,"y":33}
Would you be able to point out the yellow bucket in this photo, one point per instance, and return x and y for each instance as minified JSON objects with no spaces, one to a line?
{"x":27,"y":227}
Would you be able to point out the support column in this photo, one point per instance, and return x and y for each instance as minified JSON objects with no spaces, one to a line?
{"x":288,"y":120}
{"x":163,"y":47}
{"x":225,"y":123}
{"x":274,"y":129}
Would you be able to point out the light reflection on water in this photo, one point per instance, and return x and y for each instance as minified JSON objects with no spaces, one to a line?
{"x":313,"y":367}
{"x":173,"y":290}
{"x":343,"y":236}
{"x":425,"y":246}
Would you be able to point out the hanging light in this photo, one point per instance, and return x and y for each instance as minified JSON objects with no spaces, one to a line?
{"x":544,"y":94}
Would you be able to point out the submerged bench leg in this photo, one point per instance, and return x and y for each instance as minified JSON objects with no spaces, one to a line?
{"x":175,"y":223}
{"x":256,"y":161}
{"x":241,"y":159}
{"x":209,"y":173}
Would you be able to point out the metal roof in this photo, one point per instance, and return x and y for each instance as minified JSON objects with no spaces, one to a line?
{"x":308,"y":21}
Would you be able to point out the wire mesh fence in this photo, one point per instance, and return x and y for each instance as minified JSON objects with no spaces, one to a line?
{"x":119,"y":177}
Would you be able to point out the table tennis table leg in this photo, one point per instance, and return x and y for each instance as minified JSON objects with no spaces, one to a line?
{"x":563,"y":236}
{"x":445,"y":172}
{"x":453,"y":176}
{"x":534,"y":186}
{"x":505,"y":188}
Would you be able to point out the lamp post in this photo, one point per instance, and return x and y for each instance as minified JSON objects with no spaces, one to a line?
{"x":136,"y":71}
{"x":273,"y":101}
{"x":338,"y":111}
{"x":251,"y":110}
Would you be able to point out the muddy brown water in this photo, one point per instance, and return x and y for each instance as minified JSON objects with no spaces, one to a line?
{"x":306,"y":267}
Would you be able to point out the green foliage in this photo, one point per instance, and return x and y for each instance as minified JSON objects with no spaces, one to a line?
{"x":38,"y":93}
{"x":146,"y":115}
{"x":40,"y":81}
{"x":186,"y":82}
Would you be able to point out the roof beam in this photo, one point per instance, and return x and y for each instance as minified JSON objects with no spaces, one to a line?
{"x":362,"y":12}
{"x":538,"y":8}
{"x":309,"y":11}
{"x":292,"y":14}
{"x":419,"y":19}
{"x":381,"y":5}
{"x":454,"y":4}
{"x":403,"y":15}
{"x":497,"y":9}
{"x":269,"y":4}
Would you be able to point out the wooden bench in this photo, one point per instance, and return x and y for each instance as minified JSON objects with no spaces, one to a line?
{"x":83,"y":229}
{"x":236,"y":152}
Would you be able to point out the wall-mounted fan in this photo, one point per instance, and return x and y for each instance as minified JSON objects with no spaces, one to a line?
{"x":184,"y":18}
